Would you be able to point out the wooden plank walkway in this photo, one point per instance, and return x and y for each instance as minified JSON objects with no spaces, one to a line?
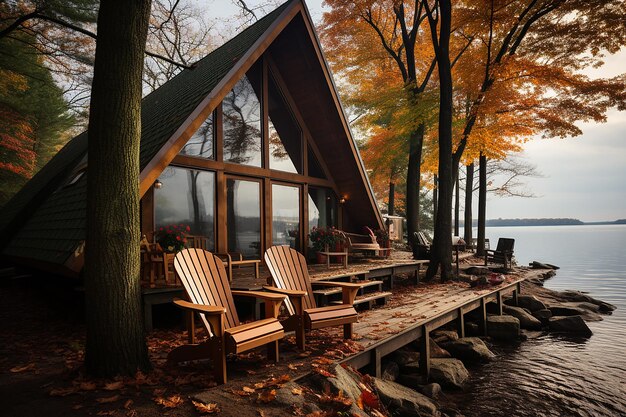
{"x":413,"y":313}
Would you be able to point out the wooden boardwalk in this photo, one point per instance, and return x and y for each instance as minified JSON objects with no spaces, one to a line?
{"x":413,"y":313}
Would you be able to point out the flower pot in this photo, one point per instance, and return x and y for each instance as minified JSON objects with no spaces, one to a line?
{"x":320,"y":258}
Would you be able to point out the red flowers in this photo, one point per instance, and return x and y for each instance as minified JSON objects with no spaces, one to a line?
{"x":173,"y":237}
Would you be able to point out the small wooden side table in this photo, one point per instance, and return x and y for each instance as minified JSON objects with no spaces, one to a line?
{"x":329,"y":254}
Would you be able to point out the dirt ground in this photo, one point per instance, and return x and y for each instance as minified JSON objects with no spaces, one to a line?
{"x":42,"y":339}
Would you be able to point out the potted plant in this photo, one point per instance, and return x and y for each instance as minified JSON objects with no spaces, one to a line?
{"x":172,"y":238}
{"x":325,"y":239}
{"x":382,"y":238}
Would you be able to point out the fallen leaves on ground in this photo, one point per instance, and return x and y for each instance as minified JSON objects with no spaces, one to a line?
{"x":170,"y":402}
{"x":202,"y":408}
{"x":113,"y":386}
{"x":296,"y":391}
{"x":87,"y":386}
{"x":336,"y":401}
{"x":22,"y":368}
{"x":62,"y":392}
{"x":106,"y":400}
{"x":266,"y":396}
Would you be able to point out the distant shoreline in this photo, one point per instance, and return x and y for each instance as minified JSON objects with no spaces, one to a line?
{"x":544,"y":222}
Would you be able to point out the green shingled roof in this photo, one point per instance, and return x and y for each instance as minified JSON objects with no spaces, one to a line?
{"x":47,"y":222}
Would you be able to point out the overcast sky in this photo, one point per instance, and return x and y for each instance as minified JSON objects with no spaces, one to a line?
{"x":582,"y":177}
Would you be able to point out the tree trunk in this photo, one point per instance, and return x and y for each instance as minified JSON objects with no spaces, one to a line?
{"x":115,"y":333}
{"x":456,"y":205}
{"x":469,"y":189}
{"x":441,"y":249}
{"x":482,"y":204}
{"x":435,"y":199}
{"x":416,"y":140}
{"x":392,"y":197}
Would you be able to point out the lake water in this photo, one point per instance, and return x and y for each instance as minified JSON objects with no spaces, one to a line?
{"x":551,"y":375}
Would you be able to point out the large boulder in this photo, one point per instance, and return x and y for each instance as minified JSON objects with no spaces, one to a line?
{"x":578,"y":296}
{"x":503,"y":327}
{"x":391,"y":371}
{"x":440,"y":336}
{"x":526,"y":320}
{"x":432,"y":390}
{"x":542,"y":315}
{"x":527,"y":301}
{"x":345,"y":381}
{"x":448,"y":372}
{"x":594,"y":308}
{"x":569,"y":324}
{"x":561,"y":310}
{"x":286,"y":397}
{"x":403,"y":401}
{"x":436,"y":351}
{"x":404,"y":356}
{"x":470,"y":349}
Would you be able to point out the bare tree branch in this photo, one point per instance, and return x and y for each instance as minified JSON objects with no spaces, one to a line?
{"x":37,"y":15}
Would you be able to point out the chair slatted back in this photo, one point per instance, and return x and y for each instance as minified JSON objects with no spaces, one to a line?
{"x":289,"y":272}
{"x":423,"y":240}
{"x":205,"y":281}
{"x":505,"y":244}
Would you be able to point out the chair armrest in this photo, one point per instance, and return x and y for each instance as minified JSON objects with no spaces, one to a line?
{"x":225,"y":257}
{"x":199,"y":308}
{"x":289,"y":293}
{"x":295,"y":297}
{"x":268,"y":296}
{"x":272,"y":301}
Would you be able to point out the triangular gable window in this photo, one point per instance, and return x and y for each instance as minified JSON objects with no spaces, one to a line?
{"x":285,"y":135}
{"x":241,"y":110}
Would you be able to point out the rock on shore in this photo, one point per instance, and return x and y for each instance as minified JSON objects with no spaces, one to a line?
{"x":470,"y":349}
{"x":448,"y":372}
{"x":503,"y":327}
{"x":526,"y":319}
{"x":569,"y":324}
{"x":403,"y":401}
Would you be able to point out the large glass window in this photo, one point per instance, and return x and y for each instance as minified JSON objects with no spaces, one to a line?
{"x":243,"y":206}
{"x":322,"y":208}
{"x":285,"y":136}
{"x":286,"y":215}
{"x":242,"y":122}
{"x":187,"y":196}
{"x":202,"y":143}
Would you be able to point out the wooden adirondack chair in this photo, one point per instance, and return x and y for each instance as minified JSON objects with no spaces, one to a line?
{"x":503,"y":253}
{"x":421,"y":246}
{"x":206,"y":284}
{"x":290,"y":277}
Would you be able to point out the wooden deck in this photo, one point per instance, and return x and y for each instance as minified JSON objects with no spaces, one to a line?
{"x":244,"y":279}
{"x":415,"y":312}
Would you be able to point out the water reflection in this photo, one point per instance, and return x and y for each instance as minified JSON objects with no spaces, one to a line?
{"x":556,"y":375}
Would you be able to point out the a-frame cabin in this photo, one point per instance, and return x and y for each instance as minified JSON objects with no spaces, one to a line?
{"x":251,"y":148}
